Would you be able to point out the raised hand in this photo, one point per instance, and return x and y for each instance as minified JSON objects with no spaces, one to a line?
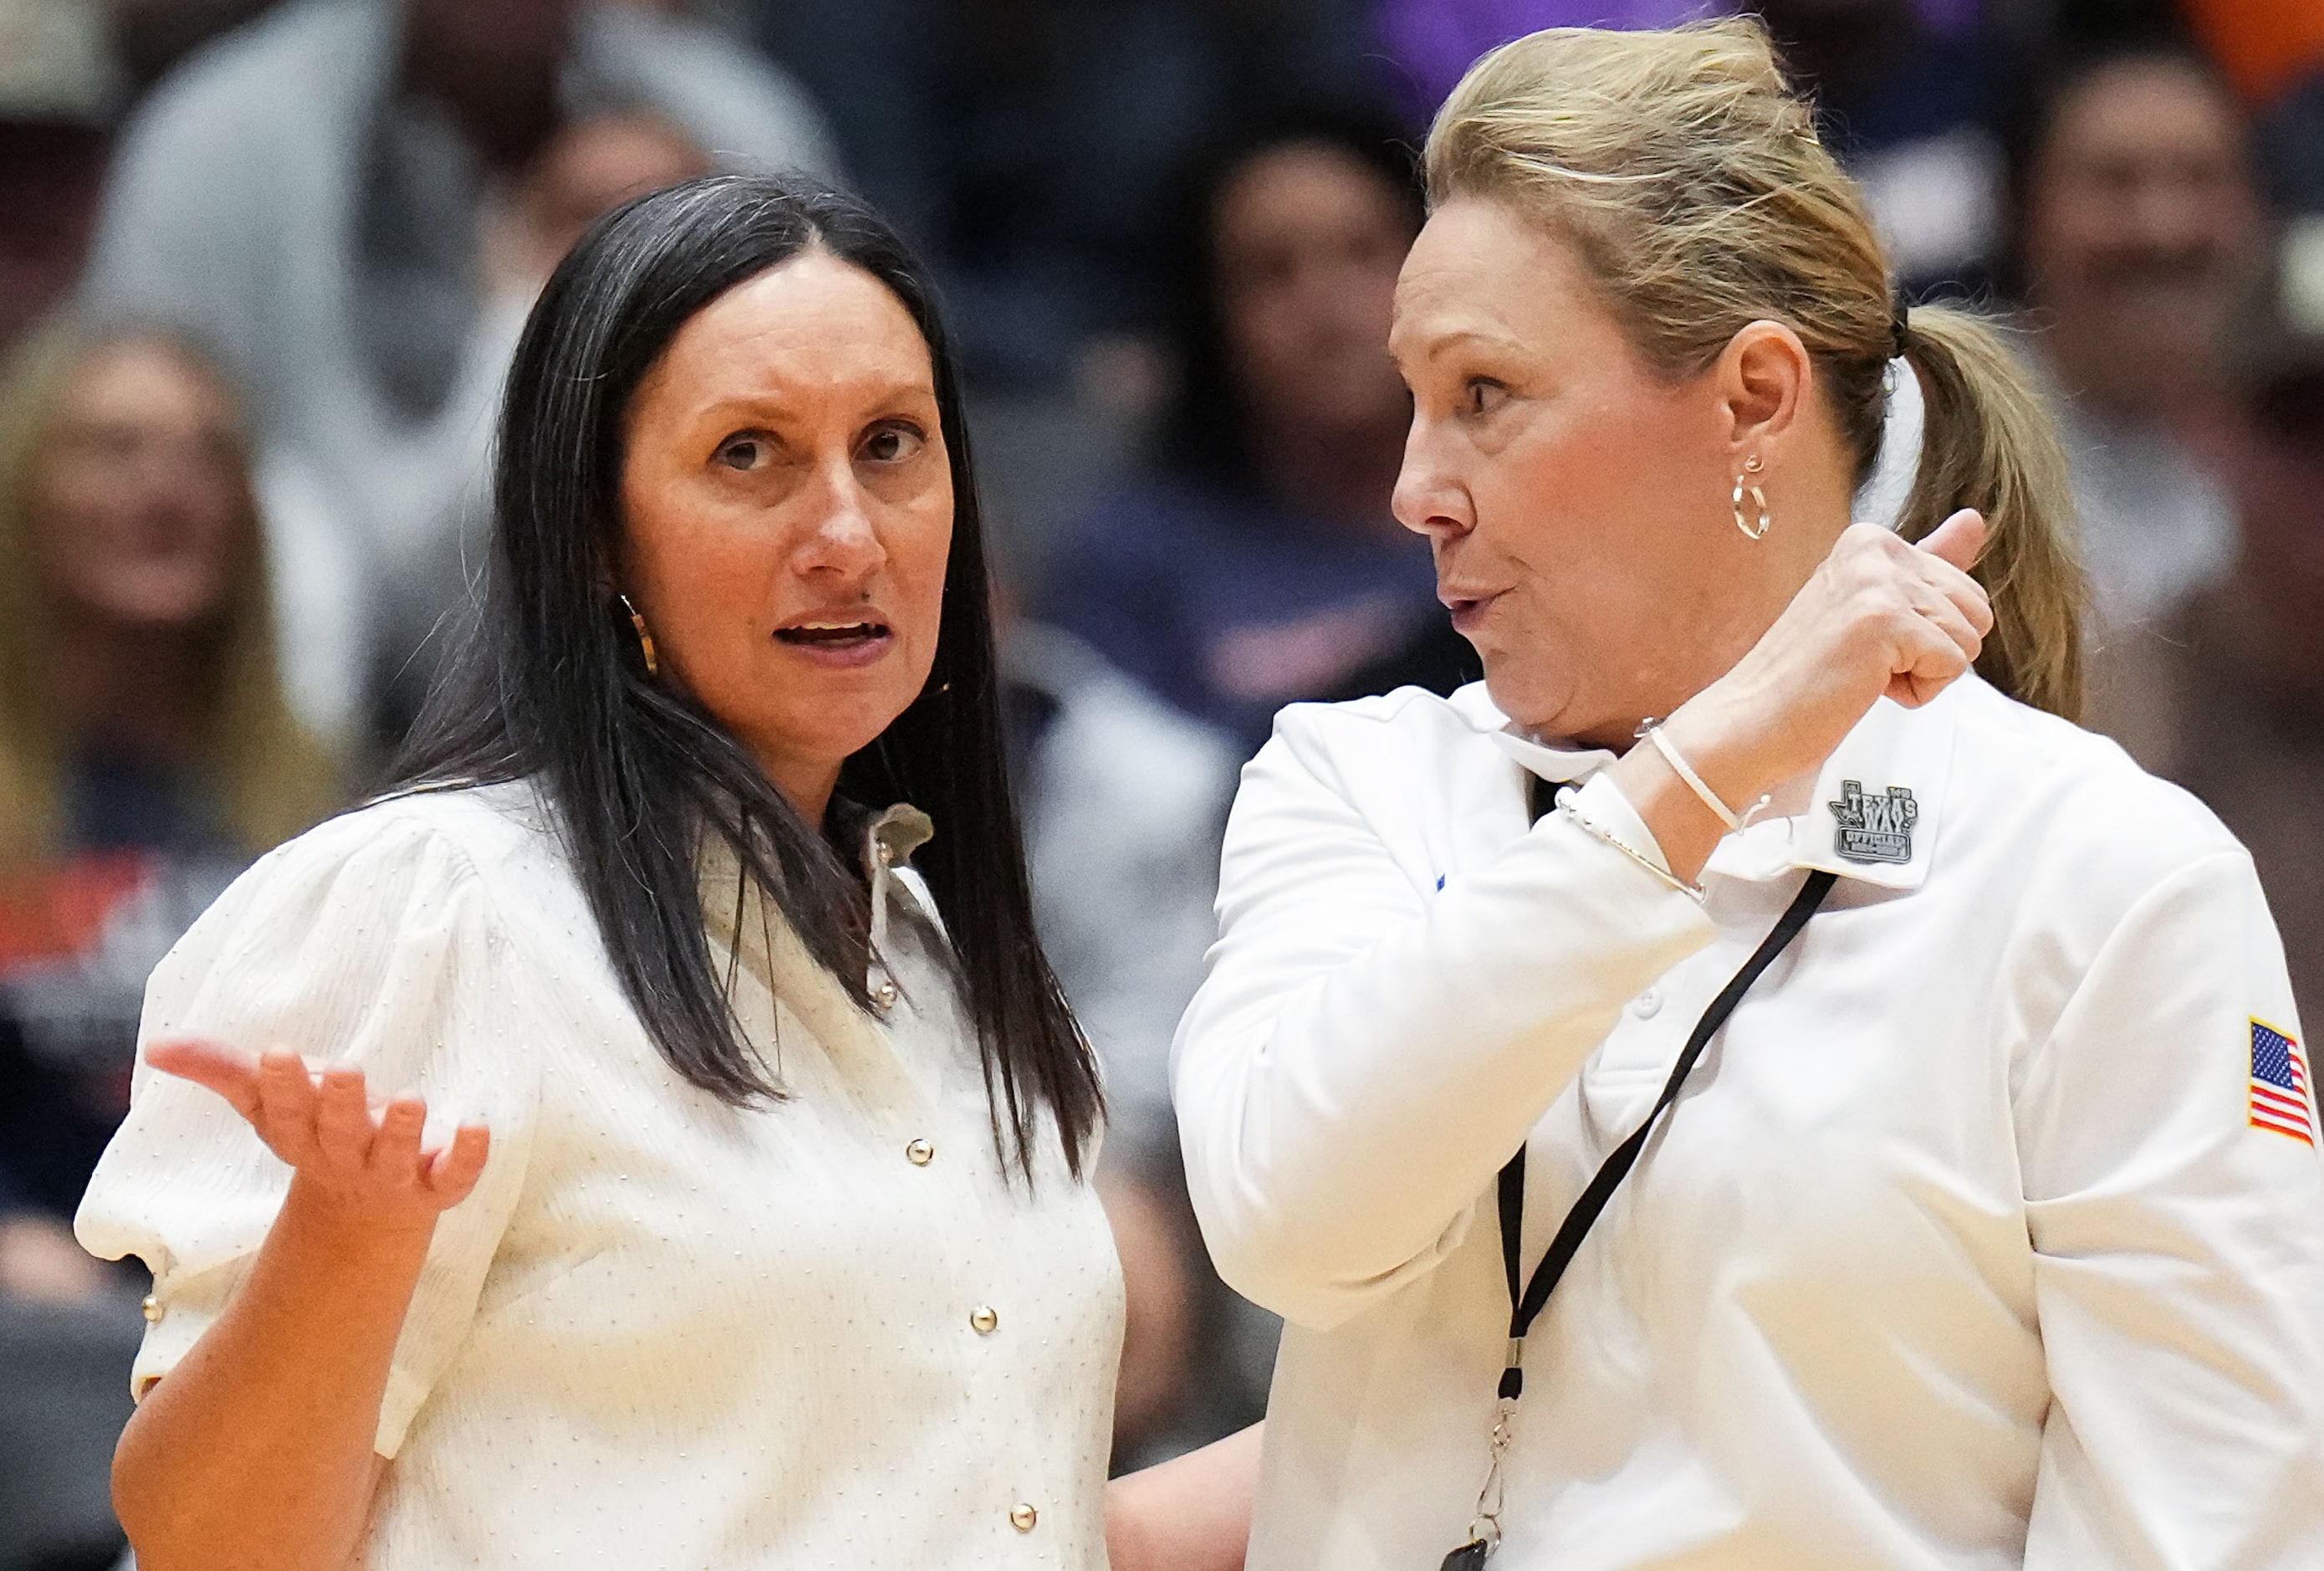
{"x":1880,"y":617}
{"x":367,"y":1157}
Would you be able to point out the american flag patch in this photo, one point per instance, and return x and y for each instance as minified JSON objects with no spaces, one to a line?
{"x":2279,"y":1084}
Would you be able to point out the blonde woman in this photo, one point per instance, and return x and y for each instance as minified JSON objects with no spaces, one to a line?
{"x":147,"y":751}
{"x":134,"y":595}
{"x":1868,"y":1133}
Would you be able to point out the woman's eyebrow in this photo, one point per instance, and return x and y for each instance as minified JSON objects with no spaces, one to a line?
{"x":771,"y":402}
{"x":1437,"y":344}
{"x":1486,"y":337}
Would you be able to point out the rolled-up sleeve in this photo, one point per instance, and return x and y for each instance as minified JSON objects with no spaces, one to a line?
{"x":1366,"y":1052}
{"x":364,"y":943}
{"x":2178,"y":1265}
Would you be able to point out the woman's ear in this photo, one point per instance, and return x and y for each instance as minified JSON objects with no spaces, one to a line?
{"x":611,"y":572}
{"x":1765,"y":378}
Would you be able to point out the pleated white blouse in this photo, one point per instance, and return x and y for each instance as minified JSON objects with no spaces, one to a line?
{"x":662,"y":1332}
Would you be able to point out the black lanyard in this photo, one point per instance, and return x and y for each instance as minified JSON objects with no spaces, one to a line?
{"x":1527,"y":1304}
{"x":1526,"y":1307}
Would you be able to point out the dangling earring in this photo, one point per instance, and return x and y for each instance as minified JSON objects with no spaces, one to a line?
{"x":1752,"y":465}
{"x":645,"y":639}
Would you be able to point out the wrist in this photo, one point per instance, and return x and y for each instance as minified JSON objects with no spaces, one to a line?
{"x":1733,"y":750}
{"x":1684,"y":831}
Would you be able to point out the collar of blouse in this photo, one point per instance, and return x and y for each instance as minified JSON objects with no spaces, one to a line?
{"x":746,"y":930}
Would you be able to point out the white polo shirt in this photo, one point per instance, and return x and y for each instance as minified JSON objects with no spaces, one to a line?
{"x":1978,"y":1240}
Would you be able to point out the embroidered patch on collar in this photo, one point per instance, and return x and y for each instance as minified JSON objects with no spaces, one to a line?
{"x":1875,"y":829}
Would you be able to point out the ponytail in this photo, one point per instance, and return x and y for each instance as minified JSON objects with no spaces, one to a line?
{"x":1988,"y":443}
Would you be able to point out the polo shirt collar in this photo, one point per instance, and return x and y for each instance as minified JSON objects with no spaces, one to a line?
{"x":1558,"y":765}
{"x":1561,"y":765}
{"x":1874,"y":814}
{"x":1873,"y":817}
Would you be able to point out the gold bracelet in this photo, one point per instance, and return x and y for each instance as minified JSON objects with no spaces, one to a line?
{"x":1693,"y":892}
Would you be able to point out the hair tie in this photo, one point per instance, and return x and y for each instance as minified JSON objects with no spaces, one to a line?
{"x":1900,"y":326}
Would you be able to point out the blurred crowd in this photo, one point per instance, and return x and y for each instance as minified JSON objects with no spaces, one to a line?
{"x":262,"y":263}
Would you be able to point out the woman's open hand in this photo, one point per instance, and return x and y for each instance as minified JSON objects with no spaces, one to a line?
{"x":365,"y":1156}
{"x":1880,"y":618}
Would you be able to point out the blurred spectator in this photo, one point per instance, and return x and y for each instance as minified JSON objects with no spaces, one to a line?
{"x":2243,"y":685}
{"x":150,"y":36}
{"x":1906,"y":93}
{"x":1124,"y":802}
{"x":2139,"y":224}
{"x":325,"y":196}
{"x":1028,"y":146}
{"x":592,"y":164}
{"x":147,"y":751}
{"x":1261,"y":563}
{"x":57,"y":86}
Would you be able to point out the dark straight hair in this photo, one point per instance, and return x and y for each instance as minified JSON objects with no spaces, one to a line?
{"x":1205,"y":429}
{"x":638,"y":775}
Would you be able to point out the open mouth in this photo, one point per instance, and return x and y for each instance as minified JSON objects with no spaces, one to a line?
{"x":833,"y":634}
{"x":1467,"y":611}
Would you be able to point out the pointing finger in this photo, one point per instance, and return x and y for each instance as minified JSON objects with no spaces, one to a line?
{"x":228,"y":1071}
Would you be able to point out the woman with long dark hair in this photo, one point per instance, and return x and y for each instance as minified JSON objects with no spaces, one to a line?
{"x":1256,"y":562}
{"x":763,"y":1237}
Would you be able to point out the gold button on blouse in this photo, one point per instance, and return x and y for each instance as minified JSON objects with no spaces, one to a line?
{"x":984,"y":1320}
{"x":1022,"y":1517}
{"x":920,"y":1153}
{"x":883,"y":995}
{"x":153,"y":1308}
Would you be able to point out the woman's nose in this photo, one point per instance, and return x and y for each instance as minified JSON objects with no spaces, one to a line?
{"x":1429,"y":499}
{"x":845,"y":541}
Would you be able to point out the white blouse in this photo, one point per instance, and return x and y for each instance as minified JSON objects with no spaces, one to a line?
{"x":663,"y":1331}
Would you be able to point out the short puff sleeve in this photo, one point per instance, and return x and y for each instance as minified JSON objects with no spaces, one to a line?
{"x":370,"y":942}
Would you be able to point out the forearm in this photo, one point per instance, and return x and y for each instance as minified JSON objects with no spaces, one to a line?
{"x":1337,"y":1124}
{"x":1192,"y":1513}
{"x":1725,"y":740}
{"x":1683,"y":829}
{"x":255,"y":1453}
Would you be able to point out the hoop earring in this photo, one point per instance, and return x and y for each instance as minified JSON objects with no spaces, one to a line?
{"x":1743,"y":487}
{"x":645,"y":639}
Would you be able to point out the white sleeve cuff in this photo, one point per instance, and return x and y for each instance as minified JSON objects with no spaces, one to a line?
{"x":1601,"y":802}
